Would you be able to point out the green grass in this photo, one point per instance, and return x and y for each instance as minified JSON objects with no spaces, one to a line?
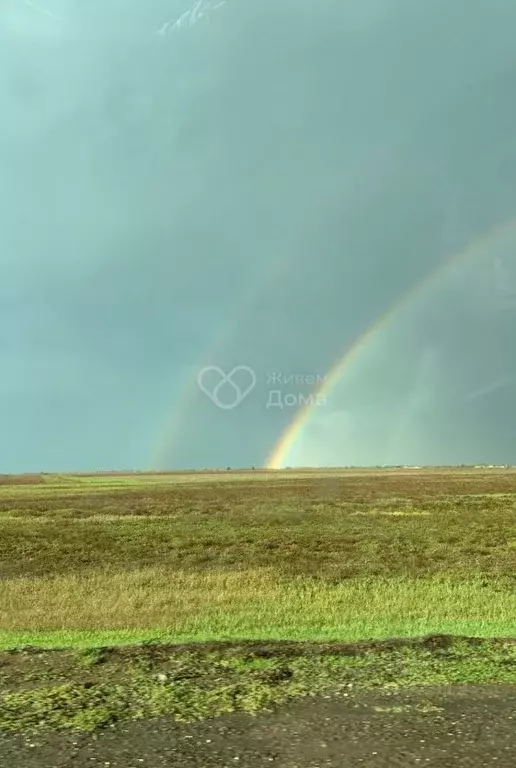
{"x":62,"y":691}
{"x":330,"y":555}
{"x":131,"y":606}
{"x":94,"y":565}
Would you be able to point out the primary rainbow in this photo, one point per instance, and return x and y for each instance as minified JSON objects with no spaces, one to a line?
{"x":279,"y":454}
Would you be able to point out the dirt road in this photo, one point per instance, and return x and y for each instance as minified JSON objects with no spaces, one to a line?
{"x":449,"y":726}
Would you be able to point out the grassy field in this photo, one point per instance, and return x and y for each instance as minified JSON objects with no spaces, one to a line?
{"x":335,"y":556}
{"x":330,"y":555}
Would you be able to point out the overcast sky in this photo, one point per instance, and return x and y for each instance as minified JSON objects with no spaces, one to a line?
{"x":247,"y":183}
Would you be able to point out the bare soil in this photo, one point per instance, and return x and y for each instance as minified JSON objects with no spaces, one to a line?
{"x":457,"y":726}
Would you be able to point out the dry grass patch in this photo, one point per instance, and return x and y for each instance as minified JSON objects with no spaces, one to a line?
{"x":254,"y":603}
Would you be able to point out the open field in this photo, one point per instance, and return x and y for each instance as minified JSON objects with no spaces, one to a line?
{"x":91,"y":561}
{"x":341,"y":555}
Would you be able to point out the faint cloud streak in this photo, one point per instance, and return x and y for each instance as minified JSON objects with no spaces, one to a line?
{"x":191,"y":16}
{"x":40,"y":9}
{"x":488,"y":389}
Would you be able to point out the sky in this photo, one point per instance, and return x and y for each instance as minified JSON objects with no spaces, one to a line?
{"x":187,"y":188}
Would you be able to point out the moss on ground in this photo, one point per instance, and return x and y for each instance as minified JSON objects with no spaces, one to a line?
{"x":83,"y":692}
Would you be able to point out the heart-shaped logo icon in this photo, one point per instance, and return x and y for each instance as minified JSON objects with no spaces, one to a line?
{"x":227,"y":378}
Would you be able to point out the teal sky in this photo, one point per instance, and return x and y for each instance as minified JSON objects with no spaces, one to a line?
{"x":248,"y":183}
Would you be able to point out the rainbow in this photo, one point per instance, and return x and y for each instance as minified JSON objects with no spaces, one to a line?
{"x":278,"y":457}
{"x":176,"y":419}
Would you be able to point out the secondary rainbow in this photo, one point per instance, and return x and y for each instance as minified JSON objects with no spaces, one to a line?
{"x":177,"y":418}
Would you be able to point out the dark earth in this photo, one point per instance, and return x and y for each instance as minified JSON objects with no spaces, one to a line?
{"x":454,"y":726}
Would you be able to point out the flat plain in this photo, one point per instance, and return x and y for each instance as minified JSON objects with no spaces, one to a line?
{"x":191,"y":596}
{"x":338,"y":555}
